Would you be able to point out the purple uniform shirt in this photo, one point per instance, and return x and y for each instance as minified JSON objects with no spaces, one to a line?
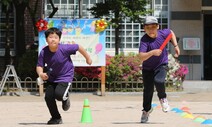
{"x":59,"y":63}
{"x":147,"y":44}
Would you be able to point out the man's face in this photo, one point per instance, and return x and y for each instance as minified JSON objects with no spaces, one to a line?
{"x":53,"y":40}
{"x":151,"y":30}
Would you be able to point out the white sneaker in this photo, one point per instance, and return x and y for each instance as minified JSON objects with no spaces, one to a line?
{"x":145,"y":116}
{"x":164,"y":104}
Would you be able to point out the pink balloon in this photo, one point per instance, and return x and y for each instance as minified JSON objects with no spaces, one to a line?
{"x":98,"y":48}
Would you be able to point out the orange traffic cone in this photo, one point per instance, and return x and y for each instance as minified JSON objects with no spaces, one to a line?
{"x":86,"y":113}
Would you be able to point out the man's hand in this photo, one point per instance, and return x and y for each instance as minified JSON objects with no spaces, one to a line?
{"x":89,"y":61}
{"x":156,"y":52}
{"x":177,"y":51}
{"x":43,"y":76}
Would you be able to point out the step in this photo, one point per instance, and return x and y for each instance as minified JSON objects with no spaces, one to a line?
{"x":197,"y":86}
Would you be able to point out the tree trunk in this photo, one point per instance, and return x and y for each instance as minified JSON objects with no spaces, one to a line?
{"x":20,"y":31}
{"x":33,"y":12}
{"x":80,"y":9}
{"x":117,"y":40}
{"x":54,"y":9}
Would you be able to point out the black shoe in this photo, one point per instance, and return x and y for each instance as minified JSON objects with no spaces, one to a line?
{"x":55,"y":121}
{"x":66,"y":104}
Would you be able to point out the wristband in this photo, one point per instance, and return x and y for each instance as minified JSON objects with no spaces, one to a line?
{"x":175,"y":45}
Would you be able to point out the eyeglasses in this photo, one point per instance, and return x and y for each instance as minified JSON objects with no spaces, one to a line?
{"x":151,"y":27}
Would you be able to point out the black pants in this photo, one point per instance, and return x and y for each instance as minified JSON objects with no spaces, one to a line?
{"x":54,"y":91}
{"x":151,"y":78}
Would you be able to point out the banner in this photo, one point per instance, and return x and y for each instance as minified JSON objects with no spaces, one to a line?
{"x":82,"y":32}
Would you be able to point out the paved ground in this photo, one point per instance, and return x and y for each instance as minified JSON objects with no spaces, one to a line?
{"x":112,"y":110}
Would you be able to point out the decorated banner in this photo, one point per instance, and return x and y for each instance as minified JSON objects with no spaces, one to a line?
{"x":89,"y":33}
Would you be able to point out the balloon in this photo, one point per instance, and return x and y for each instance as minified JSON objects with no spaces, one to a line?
{"x":98,"y":48}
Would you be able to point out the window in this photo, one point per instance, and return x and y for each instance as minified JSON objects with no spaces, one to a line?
{"x":3,"y":32}
{"x":160,"y":8}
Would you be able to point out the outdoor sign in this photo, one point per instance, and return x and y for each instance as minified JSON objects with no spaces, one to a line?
{"x":191,"y":43}
{"x":84,"y":32}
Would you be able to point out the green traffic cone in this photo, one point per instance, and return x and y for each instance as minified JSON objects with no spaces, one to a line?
{"x":86,"y":113}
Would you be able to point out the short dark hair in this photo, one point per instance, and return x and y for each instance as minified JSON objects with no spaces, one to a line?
{"x":53,"y":30}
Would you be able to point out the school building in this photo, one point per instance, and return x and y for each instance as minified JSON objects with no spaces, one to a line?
{"x":191,"y":20}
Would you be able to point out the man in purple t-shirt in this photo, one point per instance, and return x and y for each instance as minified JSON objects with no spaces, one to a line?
{"x":154,"y":66}
{"x":60,"y":71}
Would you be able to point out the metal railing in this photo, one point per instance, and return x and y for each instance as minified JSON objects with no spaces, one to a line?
{"x":125,"y":86}
{"x":81,"y":85}
{"x":78,"y":85}
{"x":84,"y":84}
{"x":27,"y":85}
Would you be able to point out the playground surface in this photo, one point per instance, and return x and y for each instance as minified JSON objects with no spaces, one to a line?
{"x":112,"y":110}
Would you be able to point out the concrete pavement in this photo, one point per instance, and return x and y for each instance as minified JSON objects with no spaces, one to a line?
{"x":112,"y":110}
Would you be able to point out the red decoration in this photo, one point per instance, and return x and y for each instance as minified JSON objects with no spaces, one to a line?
{"x":41,"y":25}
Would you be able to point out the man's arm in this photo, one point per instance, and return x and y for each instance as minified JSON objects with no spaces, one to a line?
{"x":146,"y":55}
{"x":39,"y":70}
{"x":174,"y":43}
{"x":41,"y":74}
{"x":85,"y":54}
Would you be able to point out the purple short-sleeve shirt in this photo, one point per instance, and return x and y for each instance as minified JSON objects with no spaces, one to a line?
{"x":147,"y":44}
{"x":59,"y":63}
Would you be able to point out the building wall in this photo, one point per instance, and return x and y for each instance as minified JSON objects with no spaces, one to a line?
{"x":29,"y":31}
{"x":186,"y":21}
{"x":185,"y":5}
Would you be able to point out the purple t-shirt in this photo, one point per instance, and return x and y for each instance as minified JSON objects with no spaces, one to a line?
{"x":59,"y":63}
{"x":147,"y":44}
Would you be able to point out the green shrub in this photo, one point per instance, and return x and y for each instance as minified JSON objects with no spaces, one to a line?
{"x":123,"y":68}
{"x":118,"y":68}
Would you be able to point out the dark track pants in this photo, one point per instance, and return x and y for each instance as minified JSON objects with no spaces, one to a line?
{"x":54,"y":91}
{"x":151,"y":78}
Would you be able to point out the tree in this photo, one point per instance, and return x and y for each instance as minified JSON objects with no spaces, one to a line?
{"x":117,"y":10}
{"x":27,"y":62}
{"x":20,"y":7}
